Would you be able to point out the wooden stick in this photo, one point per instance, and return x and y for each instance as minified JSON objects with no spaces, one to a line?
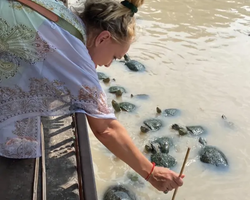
{"x":36,"y":175}
{"x":44,"y":195}
{"x":182,"y":169}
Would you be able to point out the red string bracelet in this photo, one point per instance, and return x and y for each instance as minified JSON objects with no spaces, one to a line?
{"x":150,"y":172}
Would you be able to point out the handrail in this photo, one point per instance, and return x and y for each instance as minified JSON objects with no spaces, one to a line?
{"x":87,"y":185}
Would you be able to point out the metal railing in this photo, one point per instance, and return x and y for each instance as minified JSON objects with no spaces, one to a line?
{"x":86,"y":178}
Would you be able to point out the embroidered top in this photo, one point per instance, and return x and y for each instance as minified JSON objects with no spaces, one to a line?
{"x":44,"y":71}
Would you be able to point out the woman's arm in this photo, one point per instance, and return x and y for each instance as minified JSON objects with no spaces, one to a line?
{"x":115,"y":137}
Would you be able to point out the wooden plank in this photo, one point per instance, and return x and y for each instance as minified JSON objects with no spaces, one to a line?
{"x":16,"y":178}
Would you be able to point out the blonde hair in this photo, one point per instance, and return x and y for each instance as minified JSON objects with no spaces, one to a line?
{"x":112,"y":16}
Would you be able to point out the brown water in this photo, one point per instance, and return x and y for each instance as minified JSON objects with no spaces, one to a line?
{"x":197,"y":56}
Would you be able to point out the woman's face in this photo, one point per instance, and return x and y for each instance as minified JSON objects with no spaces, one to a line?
{"x":105,"y":49}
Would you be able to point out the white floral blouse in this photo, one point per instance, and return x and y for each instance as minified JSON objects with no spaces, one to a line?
{"x":44,"y":71}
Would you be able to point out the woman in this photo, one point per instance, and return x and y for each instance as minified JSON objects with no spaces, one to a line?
{"x":49,"y":68}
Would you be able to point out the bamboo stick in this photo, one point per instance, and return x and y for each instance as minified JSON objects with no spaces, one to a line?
{"x":182,"y":169}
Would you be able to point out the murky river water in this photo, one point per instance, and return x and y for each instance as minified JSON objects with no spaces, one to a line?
{"x":197,"y":56}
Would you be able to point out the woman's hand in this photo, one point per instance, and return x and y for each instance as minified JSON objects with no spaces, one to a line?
{"x":165,"y":180}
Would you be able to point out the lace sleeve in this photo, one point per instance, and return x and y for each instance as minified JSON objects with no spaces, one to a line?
{"x":92,"y":101}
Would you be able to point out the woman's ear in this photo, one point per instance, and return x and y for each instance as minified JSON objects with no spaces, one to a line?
{"x":102,"y":38}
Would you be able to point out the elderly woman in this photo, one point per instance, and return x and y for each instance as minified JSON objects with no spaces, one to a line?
{"x":48,"y":60}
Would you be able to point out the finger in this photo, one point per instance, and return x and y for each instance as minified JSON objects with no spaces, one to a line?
{"x":169,"y":188}
{"x":174,"y":173}
{"x":178,"y":181}
{"x":173,"y":185}
{"x":182,"y":176}
{"x":164,"y":188}
{"x":177,"y":185}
